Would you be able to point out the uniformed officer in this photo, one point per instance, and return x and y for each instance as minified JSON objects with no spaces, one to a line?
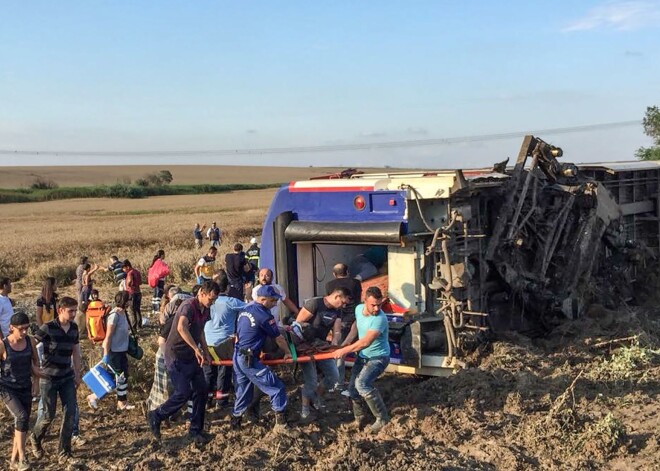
{"x":253,"y":252}
{"x":255,"y":323}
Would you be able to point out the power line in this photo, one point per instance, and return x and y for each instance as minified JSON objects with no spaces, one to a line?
{"x":335,"y":147}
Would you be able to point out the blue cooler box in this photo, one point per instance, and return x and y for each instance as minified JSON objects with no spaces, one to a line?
{"x":99,"y":380}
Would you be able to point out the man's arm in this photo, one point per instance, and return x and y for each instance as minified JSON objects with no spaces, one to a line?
{"x":40,"y":312}
{"x":205,"y":348}
{"x":336,"y":331}
{"x":77,"y":364}
{"x":184,"y":331}
{"x":352,"y":335}
{"x":290,"y":305}
{"x":303,"y":314}
{"x":36,"y":370}
{"x":279,"y":340}
{"x":363,"y":343}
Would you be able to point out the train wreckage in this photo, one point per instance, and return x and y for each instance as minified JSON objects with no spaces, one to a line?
{"x":466,"y":253}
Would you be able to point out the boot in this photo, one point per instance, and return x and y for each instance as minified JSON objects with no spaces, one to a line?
{"x":378,"y":409}
{"x":281,"y":422}
{"x":235,"y":423}
{"x":359,"y":414}
{"x":254,"y":412}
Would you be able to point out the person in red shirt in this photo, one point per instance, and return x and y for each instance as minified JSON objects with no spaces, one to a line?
{"x":133,"y":282}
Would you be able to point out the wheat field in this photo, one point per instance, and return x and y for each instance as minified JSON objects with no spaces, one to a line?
{"x":17,"y":177}
{"x":47,"y":239}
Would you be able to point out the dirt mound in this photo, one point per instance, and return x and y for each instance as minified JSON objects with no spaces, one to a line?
{"x":580,"y":398}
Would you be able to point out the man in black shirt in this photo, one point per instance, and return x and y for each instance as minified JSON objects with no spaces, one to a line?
{"x":323,"y":314}
{"x":344,"y":280}
{"x":235,"y":265}
{"x":61,"y":376}
{"x":354,"y":287}
{"x":185,"y":354}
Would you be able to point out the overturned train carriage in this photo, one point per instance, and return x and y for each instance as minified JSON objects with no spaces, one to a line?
{"x":464,"y":254}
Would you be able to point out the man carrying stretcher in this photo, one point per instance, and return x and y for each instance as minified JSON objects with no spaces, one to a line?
{"x":255,"y":323}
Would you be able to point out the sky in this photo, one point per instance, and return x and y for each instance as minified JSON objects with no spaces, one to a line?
{"x":125,"y":82}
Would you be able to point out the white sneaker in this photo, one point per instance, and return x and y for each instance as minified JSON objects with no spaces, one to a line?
{"x":91,"y":400}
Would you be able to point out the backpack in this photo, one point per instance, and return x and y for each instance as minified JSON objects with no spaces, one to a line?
{"x":96,"y":317}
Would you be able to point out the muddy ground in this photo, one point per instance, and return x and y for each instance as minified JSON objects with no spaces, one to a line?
{"x":565,"y":401}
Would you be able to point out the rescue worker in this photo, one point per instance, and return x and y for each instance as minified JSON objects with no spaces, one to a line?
{"x":373,"y":357}
{"x":253,"y":252}
{"x":205,"y":266}
{"x":321,"y":315}
{"x":255,"y":323}
{"x":343,"y":279}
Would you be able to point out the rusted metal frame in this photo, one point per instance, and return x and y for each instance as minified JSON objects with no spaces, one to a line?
{"x":531,"y":209}
{"x":521,"y":198}
{"x":556,"y":234}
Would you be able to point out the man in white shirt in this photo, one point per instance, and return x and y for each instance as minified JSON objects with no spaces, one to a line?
{"x":266,"y":278}
{"x":6,"y":307}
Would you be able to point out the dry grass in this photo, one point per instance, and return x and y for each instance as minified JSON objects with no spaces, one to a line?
{"x":15,"y":177}
{"x":46,"y":239}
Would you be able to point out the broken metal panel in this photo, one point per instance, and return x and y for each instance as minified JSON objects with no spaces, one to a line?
{"x":517,"y":254}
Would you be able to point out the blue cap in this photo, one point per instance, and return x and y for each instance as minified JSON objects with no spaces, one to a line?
{"x":268,"y":291}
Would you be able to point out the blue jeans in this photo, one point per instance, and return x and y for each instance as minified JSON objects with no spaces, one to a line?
{"x":364,"y":374}
{"x":188,"y":380}
{"x":257,"y":374}
{"x":50,"y":389}
{"x":76,"y":416}
{"x":310,"y":379}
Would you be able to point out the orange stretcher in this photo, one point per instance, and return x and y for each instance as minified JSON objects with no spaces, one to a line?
{"x":324,"y":355}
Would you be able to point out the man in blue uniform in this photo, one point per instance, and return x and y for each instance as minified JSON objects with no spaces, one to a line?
{"x":255,"y":323}
{"x":373,"y":357}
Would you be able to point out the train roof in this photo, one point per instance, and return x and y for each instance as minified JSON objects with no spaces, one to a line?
{"x":622,"y":166}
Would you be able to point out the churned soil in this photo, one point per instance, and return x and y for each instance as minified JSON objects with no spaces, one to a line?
{"x":571,"y":400}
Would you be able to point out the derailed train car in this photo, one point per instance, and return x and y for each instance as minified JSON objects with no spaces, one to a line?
{"x":464,"y":254}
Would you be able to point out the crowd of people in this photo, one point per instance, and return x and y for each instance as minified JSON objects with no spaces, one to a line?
{"x":213,"y":344}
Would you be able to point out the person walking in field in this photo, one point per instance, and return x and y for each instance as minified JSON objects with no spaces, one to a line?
{"x":214,"y":235}
{"x":87,"y":283}
{"x":116,"y":268}
{"x":6,"y":306}
{"x":79,"y":277}
{"x":133,"y":282}
{"x":156,"y":275}
{"x":47,"y":302}
{"x":61,"y":369}
{"x":19,"y":365}
{"x":186,"y":353}
{"x":115,"y":348}
{"x":205,"y":267}
{"x":197,"y":235}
